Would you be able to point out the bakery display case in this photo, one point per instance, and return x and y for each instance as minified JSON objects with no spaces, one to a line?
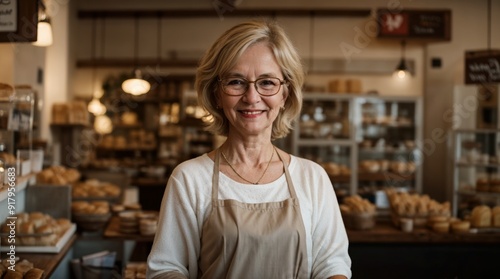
{"x":476,"y":167}
{"x":324,"y":133}
{"x":475,"y":149}
{"x":387,"y":130}
{"x":365,"y":142}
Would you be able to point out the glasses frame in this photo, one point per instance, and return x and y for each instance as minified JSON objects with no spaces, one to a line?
{"x":281,"y":82}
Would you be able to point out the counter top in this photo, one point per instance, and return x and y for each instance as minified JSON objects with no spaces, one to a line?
{"x":386,"y":232}
{"x":48,"y":261}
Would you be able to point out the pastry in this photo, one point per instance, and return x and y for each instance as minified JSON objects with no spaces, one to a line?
{"x":38,"y":219}
{"x":25,"y":229}
{"x":34,"y":273}
{"x":64,"y":224}
{"x":48,"y":238}
{"x":441,"y":227}
{"x":460,"y":226}
{"x":23,"y":266}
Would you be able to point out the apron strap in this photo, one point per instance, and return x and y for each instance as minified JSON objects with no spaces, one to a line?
{"x":215,"y":178}
{"x":289,"y":181}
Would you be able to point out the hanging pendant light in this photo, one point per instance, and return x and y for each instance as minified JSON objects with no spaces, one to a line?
{"x":136,"y":85}
{"x":95,"y":106}
{"x":402,"y":71}
{"x":44,"y":28}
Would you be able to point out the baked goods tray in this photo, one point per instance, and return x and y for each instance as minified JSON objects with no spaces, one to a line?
{"x":45,"y":249}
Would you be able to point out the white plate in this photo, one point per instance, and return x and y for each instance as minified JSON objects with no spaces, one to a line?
{"x":45,"y":249}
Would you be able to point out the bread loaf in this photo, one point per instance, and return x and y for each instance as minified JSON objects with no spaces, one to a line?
{"x":13,"y":275}
{"x":23,"y":266}
{"x":481,"y":216}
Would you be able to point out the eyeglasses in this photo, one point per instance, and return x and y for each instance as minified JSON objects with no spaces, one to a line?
{"x":265,"y":86}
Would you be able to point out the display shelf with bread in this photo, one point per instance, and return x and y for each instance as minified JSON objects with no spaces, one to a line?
{"x":376,"y":136}
{"x":474,"y":148}
{"x":476,"y":169}
{"x":387,"y":129}
{"x":149,"y":130}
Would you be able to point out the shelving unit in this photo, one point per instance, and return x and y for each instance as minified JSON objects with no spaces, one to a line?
{"x":474,"y":146}
{"x":164,"y":119}
{"x":365,"y":142}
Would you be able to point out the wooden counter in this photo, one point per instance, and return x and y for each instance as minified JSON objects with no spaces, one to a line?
{"x":48,"y":261}
{"x":389,"y":253}
{"x":386,"y":232}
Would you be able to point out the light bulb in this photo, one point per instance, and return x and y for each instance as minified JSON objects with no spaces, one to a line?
{"x":96,"y":107}
{"x":103,"y":124}
{"x":136,"y":86}
{"x":44,"y":34}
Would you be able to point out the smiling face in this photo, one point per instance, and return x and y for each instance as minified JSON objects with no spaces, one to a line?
{"x":252,"y":114}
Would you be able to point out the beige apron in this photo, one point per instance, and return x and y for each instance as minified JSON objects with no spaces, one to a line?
{"x":257,"y":241}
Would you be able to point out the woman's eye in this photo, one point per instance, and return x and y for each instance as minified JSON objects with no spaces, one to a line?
{"x":267,"y":82}
{"x":235,"y":82}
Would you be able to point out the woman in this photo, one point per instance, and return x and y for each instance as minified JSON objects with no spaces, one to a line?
{"x":248,"y":209}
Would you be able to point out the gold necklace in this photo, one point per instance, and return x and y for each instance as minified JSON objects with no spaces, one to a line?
{"x":255,"y":183}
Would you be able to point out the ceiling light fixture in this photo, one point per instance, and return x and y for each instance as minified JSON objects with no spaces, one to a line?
{"x":136,"y":85}
{"x":95,"y":106}
{"x":44,"y":28}
{"x":402,"y":69}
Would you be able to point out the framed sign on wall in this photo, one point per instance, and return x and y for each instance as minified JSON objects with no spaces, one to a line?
{"x":18,"y":21}
{"x":482,"y":66}
{"x":427,"y":25}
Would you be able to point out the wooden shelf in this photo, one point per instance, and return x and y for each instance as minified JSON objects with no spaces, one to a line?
{"x":187,"y":13}
{"x":69,"y":125}
{"x":131,"y":148}
{"x":118,"y":63}
{"x":377,"y":176}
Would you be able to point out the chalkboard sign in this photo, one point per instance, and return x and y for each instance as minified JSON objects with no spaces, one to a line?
{"x":434,"y":25}
{"x":482,"y":66}
{"x":18,"y":21}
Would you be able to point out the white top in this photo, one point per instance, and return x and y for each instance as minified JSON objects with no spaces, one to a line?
{"x":187,"y":202}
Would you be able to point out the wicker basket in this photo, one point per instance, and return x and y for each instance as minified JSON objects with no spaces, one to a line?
{"x":91,"y":222}
{"x":359,"y":221}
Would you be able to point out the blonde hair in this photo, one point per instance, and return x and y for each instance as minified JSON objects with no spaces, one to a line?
{"x":224,"y":53}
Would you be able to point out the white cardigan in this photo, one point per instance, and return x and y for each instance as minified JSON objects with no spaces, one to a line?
{"x":187,"y":202}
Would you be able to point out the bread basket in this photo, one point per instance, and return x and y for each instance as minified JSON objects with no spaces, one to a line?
{"x":91,"y":222}
{"x":359,"y":221}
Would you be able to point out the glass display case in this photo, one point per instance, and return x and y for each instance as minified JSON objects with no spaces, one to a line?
{"x":477,"y":169}
{"x":388,"y":130}
{"x":364,"y":142}
{"x":16,"y":128}
{"x":325,"y":134}
{"x":475,"y":148}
